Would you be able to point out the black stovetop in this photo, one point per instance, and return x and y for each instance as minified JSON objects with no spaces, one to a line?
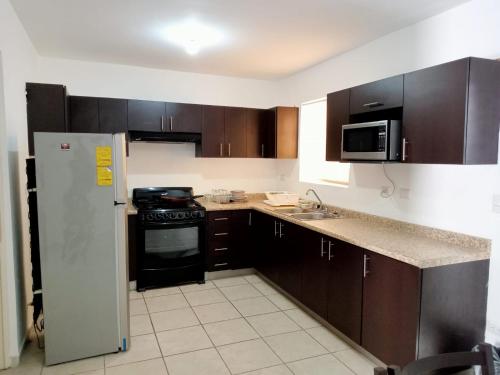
{"x":152,"y":199}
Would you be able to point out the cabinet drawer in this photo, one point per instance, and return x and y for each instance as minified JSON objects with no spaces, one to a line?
{"x":219,"y":263}
{"x":383,"y":94}
{"x":218,"y":246}
{"x":219,"y":225}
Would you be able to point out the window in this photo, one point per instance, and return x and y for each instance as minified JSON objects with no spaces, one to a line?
{"x":312,"y":165}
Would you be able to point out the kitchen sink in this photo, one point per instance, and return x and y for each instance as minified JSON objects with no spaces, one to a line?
{"x":290,"y":210}
{"x":315,"y":215}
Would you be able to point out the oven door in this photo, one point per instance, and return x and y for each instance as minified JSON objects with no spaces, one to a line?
{"x":365,"y":141}
{"x":169,"y":254}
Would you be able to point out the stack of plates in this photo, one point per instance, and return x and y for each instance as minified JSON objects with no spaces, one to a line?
{"x":238,"y":196}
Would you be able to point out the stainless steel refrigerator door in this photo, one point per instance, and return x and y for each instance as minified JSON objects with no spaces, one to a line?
{"x":77,"y":227}
{"x":121,"y":232}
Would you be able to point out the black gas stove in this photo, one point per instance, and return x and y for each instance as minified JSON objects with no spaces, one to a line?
{"x":170,"y":237}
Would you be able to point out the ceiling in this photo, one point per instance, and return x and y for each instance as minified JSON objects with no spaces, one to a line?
{"x":267,"y":39}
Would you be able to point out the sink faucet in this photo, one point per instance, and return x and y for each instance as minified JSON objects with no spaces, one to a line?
{"x":321,"y":205}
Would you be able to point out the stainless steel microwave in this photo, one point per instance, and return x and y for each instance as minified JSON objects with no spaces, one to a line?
{"x":372,"y":141}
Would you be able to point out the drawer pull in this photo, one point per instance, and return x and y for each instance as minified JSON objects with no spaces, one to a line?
{"x":221,"y":218}
{"x":221,"y":249}
{"x":220,"y":264}
{"x":221,"y":234}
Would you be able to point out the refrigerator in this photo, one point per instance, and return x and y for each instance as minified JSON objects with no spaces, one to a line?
{"x":82,"y":216}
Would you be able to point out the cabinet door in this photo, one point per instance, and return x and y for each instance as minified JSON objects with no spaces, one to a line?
{"x":46,"y":109}
{"x":212,"y":137}
{"x":269,"y":133}
{"x":434,"y":113}
{"x":148,"y":116}
{"x":219,"y":250}
{"x":287,"y":132}
{"x":255,"y":133}
{"x":383,"y":94}
{"x":314,"y":293}
{"x":235,"y":135}
{"x":83,"y":114}
{"x":345,"y":289}
{"x":391,"y":304}
{"x":112,"y":115}
{"x":337,"y":114}
{"x":243,"y":255}
{"x":265,"y":235}
{"x":183,"y":118}
{"x":290,"y":258}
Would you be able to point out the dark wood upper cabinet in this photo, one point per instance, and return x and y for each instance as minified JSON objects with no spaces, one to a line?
{"x":383,"y":94}
{"x":145,"y":115}
{"x":287,"y":132}
{"x":212,"y":138}
{"x":112,"y":115}
{"x":255,"y":132}
{"x":183,"y":118}
{"x":83,"y":114}
{"x":46,"y":107}
{"x":337,"y":114}
{"x":451,"y":113}
{"x":235,"y":133}
{"x":391,"y":308}
{"x":345,"y":289}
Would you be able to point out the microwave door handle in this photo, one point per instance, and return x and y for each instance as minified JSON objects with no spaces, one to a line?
{"x":373,"y":104}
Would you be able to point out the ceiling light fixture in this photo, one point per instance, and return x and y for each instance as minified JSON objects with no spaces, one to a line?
{"x":193,"y":35}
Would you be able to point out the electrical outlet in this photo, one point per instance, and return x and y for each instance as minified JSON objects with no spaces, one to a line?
{"x":496,"y":203}
{"x":404,"y":193}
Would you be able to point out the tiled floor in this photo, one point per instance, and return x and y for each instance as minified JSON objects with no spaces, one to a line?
{"x":237,"y":325}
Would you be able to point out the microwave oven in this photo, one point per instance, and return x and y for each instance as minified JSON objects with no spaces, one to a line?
{"x":372,"y":141}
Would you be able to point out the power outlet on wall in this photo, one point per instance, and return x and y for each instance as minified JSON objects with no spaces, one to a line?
{"x":404,"y":193}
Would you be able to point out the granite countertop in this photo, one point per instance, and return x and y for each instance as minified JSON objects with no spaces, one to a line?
{"x":419,"y":246}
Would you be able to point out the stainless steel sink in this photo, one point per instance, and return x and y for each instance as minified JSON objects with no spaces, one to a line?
{"x":290,"y":210}
{"x":314,"y":216}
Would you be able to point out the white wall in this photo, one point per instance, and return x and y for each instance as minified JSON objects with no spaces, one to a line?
{"x":18,"y":61}
{"x":457,"y":198}
{"x":173,"y":164}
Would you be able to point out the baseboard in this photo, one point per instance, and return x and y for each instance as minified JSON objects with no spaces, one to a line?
{"x":228,"y":273}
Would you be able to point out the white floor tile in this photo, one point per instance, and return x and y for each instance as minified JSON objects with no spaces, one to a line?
{"x":216,"y":312}
{"x":24,"y":369}
{"x":205,"y":297}
{"x":356,"y":361}
{"x":281,"y":301}
{"x":164,"y":303}
{"x":247,"y":356}
{"x":275,"y":370}
{"x":137,"y":307}
{"x":329,"y":340}
{"x":94,"y":372}
{"x":140,"y":325}
{"x":134,"y":295}
{"x":150,"y":367}
{"x":265,"y":289}
{"x":162,"y":292}
{"x":272,"y":324}
{"x":197,"y":287}
{"x":75,"y":367}
{"x":173,"y":319}
{"x":206,"y":362}
{"x":183,"y":340}
{"x":141,"y":348}
{"x":294,"y":346}
{"x":324,"y":365}
{"x":230,"y":281}
{"x":302,"y":319}
{"x":253,"y":279}
{"x":230,"y":331}
{"x":237,"y":292}
{"x":255,"y":306}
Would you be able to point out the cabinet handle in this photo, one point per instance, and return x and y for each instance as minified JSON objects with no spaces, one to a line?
{"x":171,"y":123}
{"x":249,"y":219}
{"x":275,"y":230}
{"x":229,"y":149}
{"x":281,"y":226}
{"x":403,"y":153}
{"x":366,"y":271}
{"x":220,"y":264}
{"x":220,"y":149}
{"x":221,"y":218}
{"x":262,"y":150}
{"x":221,"y":249}
{"x":373,"y":104}
{"x":330,"y":255}
{"x":221,"y":234}
{"x":323,"y":252}
{"x":162,"y":125}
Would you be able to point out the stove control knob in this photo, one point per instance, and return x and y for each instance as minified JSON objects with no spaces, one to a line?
{"x":159,"y":216}
{"x":182,"y":215}
{"x":149,"y":217}
{"x":171,"y":216}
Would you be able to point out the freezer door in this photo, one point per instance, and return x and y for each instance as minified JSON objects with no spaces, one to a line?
{"x":78,"y":245}
{"x":120,"y":167}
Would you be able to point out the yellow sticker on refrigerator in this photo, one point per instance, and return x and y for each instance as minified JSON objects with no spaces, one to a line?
{"x":104,"y":156}
{"x":104,"y":176}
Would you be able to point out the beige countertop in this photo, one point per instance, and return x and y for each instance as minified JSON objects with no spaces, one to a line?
{"x":419,"y":246}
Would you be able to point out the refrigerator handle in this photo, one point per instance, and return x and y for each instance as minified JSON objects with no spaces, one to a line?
{"x":120,"y":168}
